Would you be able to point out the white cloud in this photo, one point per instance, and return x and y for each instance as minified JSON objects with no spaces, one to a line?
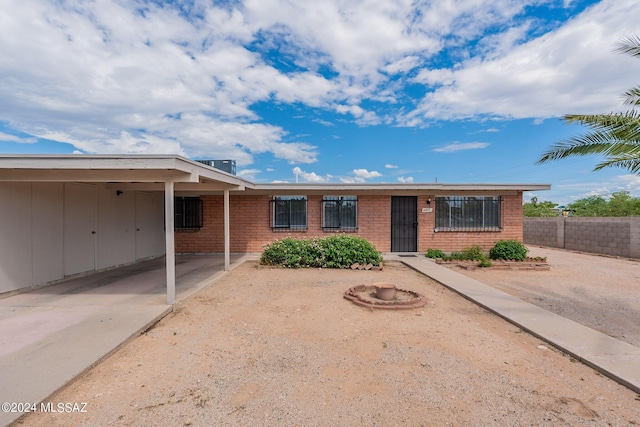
{"x":324,"y":122}
{"x":143,"y":77}
{"x":390,"y":166}
{"x":362,"y":116}
{"x":628,"y":182}
{"x":402,"y":65}
{"x":5,"y":137}
{"x":307,"y":176}
{"x":365,"y":174}
{"x":360,"y":175}
{"x":109,"y":79}
{"x":461,"y":146}
{"x":604,"y":186}
{"x":571,"y":69}
{"x":249,"y":174}
{"x":407,"y":180}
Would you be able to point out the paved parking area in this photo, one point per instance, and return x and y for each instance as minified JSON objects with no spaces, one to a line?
{"x":51,"y":335}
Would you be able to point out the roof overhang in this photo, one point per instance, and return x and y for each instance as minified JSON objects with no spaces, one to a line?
{"x":141,"y":172}
{"x":392,"y":189}
{"x":150,"y":172}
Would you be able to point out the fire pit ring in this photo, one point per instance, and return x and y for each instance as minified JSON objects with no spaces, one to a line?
{"x":367,"y":296}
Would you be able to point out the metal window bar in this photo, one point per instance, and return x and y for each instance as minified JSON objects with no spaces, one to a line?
{"x":340,"y":213}
{"x":189,"y":212}
{"x":468,"y":213}
{"x":288,"y":213}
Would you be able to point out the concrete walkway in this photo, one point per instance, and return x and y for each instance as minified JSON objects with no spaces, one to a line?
{"x":51,"y":335}
{"x":616,"y":359}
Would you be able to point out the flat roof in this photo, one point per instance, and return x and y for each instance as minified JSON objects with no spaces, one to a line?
{"x":190,"y":175}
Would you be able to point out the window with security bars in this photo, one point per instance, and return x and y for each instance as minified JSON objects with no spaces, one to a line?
{"x":468,"y":213}
{"x":188,"y":213}
{"x":340,"y":213}
{"x":289,"y":213}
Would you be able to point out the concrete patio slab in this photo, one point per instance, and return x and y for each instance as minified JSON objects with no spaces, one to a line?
{"x":51,"y":335}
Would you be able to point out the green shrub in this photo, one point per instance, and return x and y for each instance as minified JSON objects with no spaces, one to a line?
{"x":435,"y":253}
{"x":339,"y":251}
{"x":473,"y":253}
{"x":509,"y":249}
{"x":485,"y":262}
{"x":293,"y":253}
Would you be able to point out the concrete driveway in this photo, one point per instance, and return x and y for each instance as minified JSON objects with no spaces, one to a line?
{"x":51,"y":335}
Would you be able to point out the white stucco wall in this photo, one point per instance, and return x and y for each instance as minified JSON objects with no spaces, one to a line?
{"x":45,"y":226}
{"x":116,"y":228}
{"x":47,"y":231}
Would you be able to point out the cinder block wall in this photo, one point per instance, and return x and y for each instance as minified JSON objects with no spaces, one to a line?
{"x":544,"y":231}
{"x":250,"y":229}
{"x":618,"y":236}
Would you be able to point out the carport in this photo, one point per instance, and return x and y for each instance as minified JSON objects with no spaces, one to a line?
{"x":51,"y":335}
{"x":69,"y":215}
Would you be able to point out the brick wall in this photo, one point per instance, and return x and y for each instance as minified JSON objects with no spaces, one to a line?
{"x":609,"y":236}
{"x":457,"y":240}
{"x":250,"y":229}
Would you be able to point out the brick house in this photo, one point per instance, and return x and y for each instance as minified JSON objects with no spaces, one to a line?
{"x":68,"y":215}
{"x":394,"y":217}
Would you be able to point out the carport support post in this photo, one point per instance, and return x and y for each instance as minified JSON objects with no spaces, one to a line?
{"x":226,"y":230}
{"x":169,"y":243}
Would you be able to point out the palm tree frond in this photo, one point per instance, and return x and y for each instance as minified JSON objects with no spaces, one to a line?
{"x":632,"y":96}
{"x":577,"y":146}
{"x":632,"y":165}
{"x":615,"y":137}
{"x":600,"y":143}
{"x":604,"y":120}
{"x":629,"y":45}
{"x":620,"y":126}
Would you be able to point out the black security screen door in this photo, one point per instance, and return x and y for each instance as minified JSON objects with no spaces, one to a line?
{"x":404,"y":224}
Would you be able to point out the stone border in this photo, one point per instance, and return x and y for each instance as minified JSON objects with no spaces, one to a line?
{"x":499,"y":265}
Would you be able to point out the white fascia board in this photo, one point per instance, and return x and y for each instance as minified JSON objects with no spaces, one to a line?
{"x":395,"y":188}
{"x":113,"y":168}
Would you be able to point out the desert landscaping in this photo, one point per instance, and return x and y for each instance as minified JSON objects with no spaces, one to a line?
{"x":281,"y":347}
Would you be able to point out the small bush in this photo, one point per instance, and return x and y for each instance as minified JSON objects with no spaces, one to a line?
{"x":473,"y":253}
{"x":509,"y":250}
{"x":340,"y":251}
{"x":435,"y":253}
{"x":293,"y":253}
{"x":485,"y":262}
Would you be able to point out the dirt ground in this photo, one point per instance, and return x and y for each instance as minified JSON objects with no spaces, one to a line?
{"x":600,"y":292}
{"x":274,"y":347}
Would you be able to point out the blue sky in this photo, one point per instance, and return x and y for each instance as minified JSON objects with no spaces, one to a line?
{"x":458,"y":91}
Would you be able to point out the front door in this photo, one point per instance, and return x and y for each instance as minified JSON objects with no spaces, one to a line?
{"x":404,"y":224}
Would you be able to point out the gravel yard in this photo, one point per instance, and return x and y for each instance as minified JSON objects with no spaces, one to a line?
{"x":274,"y":347}
{"x":600,"y":292}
